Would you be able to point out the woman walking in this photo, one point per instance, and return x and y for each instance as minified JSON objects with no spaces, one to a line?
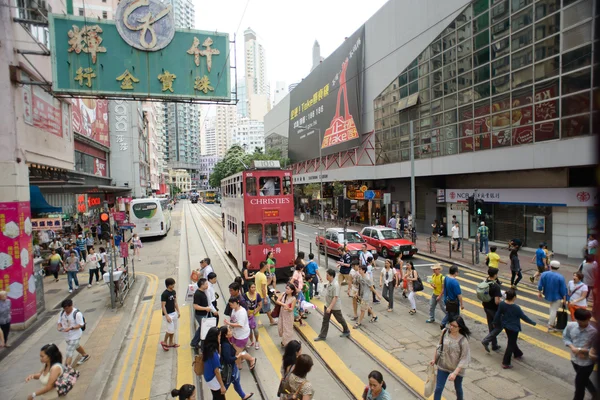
{"x":287,"y":302}
{"x":411,"y":276}
{"x":296,"y":383}
{"x":452,"y":357}
{"x":91,"y":262}
{"x":228,"y":362}
{"x":376,"y":388}
{"x":387,"y":281}
{"x":291,"y":352}
{"x":51,"y":358}
{"x":185,"y":392}
{"x":212,"y":364}
{"x":253,"y":301}
{"x":577,"y":294}
{"x":137,"y":246}
{"x":5,"y":314}
{"x":509,"y":316}
{"x":247,"y":275}
{"x":240,"y":330}
{"x":515,"y":268}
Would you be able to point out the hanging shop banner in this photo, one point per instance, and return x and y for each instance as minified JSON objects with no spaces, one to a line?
{"x":42,"y":110}
{"x":90,"y":119}
{"x":16,"y":259}
{"x":325,"y":106}
{"x":138,"y":55}
{"x":569,"y":197}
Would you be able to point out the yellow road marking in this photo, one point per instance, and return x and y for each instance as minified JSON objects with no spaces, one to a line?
{"x":184,"y":353}
{"x":148,"y":363}
{"x":137,"y":333}
{"x":527,"y":338}
{"x":391,"y":362}
{"x":422,"y":257}
{"x":270,"y":350}
{"x":520,"y":289}
{"x":335,"y":363}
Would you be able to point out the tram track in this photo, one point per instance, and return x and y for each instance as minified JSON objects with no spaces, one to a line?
{"x":410,"y":388}
{"x":306,"y":342}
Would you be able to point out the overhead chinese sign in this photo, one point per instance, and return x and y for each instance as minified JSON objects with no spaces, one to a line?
{"x":139,"y":55}
{"x":569,"y":197}
{"x":325,"y":106}
{"x":362,"y":193}
{"x":90,"y":119}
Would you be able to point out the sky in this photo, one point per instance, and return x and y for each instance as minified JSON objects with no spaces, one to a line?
{"x":287,"y":29}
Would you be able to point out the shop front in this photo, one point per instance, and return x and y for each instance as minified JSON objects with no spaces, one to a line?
{"x":366,"y":205}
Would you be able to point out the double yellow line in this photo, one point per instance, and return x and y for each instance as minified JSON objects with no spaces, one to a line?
{"x":141,"y":327}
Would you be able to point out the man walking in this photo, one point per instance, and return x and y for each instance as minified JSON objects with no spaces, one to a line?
{"x":392,"y":222}
{"x":201,"y":309}
{"x":344,"y":266}
{"x":402,"y":226}
{"x":312,"y":276}
{"x":70,"y":322}
{"x":260,"y":279}
{"x":333,"y":306}
{"x":437,"y":283}
{"x":579,"y":336}
{"x":366,"y":287}
{"x":540,"y":261}
{"x":554,"y":289}
{"x":490,"y":295}
{"x":71,"y":268}
{"x":452,"y":296}
{"x":80,"y":242}
{"x":455,"y":236}
{"x":483,"y":233}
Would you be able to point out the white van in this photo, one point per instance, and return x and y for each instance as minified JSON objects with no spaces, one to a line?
{"x":152,"y":217}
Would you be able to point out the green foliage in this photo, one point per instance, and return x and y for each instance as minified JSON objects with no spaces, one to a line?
{"x":235,"y":159}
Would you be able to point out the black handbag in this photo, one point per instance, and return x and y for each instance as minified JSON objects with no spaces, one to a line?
{"x":418,"y":285}
{"x":451,"y":305}
{"x":562,"y":318}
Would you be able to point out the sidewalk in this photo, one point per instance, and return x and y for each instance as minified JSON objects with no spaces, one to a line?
{"x":443,"y":253}
{"x":102,"y":339}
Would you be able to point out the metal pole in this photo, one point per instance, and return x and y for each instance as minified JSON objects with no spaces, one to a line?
{"x":460,"y":233}
{"x":413,"y":203}
{"x":320,"y":173}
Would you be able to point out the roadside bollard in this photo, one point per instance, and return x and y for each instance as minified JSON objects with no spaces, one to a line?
{"x":450,"y":248}
{"x":310,"y":248}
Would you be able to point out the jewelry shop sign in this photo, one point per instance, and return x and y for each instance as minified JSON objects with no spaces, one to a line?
{"x":139,"y":55}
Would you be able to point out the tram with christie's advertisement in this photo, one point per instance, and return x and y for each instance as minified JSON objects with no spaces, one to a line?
{"x":257,"y":211}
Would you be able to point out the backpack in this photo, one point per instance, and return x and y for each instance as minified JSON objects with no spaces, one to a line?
{"x":75,"y":316}
{"x":483,"y":291}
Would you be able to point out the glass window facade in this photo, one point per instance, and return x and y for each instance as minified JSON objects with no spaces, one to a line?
{"x":504,"y":73}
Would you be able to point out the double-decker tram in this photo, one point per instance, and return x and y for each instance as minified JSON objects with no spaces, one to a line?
{"x":257,"y":211}
{"x":208,"y":196}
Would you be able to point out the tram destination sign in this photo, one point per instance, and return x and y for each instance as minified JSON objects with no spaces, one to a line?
{"x":138,"y":55}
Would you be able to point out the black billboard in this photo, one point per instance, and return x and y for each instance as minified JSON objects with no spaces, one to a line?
{"x":325,"y":108}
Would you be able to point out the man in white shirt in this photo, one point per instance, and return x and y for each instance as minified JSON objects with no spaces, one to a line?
{"x":205,"y":268}
{"x":456,"y":236}
{"x":268,"y":188}
{"x":70,"y":322}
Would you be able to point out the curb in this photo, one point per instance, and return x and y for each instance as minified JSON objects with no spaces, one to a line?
{"x":110,"y":365}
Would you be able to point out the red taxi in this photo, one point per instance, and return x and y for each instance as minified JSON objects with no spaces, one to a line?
{"x":336,"y":238}
{"x":388,"y":242}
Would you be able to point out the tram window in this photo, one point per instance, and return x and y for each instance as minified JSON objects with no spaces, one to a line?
{"x":255,"y":234}
{"x":287,"y":185}
{"x":251,"y":186}
{"x":271,"y":234}
{"x":287,"y":229}
{"x":270,"y":186}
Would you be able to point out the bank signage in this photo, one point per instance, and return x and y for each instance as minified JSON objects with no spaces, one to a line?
{"x":325,"y":106}
{"x":569,"y":197}
{"x":139,"y":55}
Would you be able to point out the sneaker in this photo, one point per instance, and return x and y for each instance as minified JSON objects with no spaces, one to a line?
{"x":531,"y":279}
{"x":70,"y":290}
{"x":319,"y":338}
{"x":98,"y":283}
{"x":257,"y":346}
{"x":317,"y":296}
{"x":345,"y":334}
{"x":430,"y":321}
{"x":506,"y":366}
{"x":249,"y":345}
{"x":486,"y":346}
{"x":497,"y":348}
{"x":83,"y":359}
{"x":76,"y":287}
{"x":89,"y":286}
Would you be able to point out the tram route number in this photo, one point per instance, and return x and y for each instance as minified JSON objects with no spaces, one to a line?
{"x":270,"y":213}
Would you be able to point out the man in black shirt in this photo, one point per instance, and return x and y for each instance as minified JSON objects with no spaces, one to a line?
{"x":235,"y":291}
{"x":202,"y":308}
{"x":170,"y":310}
{"x":345,"y":268}
{"x":490,"y":308}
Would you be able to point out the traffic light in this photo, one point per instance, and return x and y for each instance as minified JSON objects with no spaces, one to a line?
{"x":472,"y":205}
{"x":105,"y":225}
{"x":104,"y":217}
{"x":479,"y":207}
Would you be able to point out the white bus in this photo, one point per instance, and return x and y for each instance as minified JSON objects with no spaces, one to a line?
{"x":152,"y":217}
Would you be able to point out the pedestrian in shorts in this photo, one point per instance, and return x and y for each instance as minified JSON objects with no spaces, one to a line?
{"x":333,"y":306}
{"x":70,"y":322}
{"x":366,"y":287}
{"x":170,"y":310}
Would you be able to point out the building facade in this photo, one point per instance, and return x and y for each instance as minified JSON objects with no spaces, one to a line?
{"x":281,"y":91}
{"x":97,"y":9}
{"x":500,"y":95}
{"x":258,"y":91}
{"x":181,"y":179}
{"x":249,"y":134}
{"x":226,"y":121}
{"x":207,"y":166}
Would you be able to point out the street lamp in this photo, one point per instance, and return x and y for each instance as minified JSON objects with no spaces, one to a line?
{"x":320,"y":161}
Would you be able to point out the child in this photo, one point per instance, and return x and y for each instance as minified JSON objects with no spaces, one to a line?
{"x":102,"y":261}
{"x":170,"y":310}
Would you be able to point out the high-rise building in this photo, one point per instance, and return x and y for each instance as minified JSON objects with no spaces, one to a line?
{"x":225,"y":124}
{"x":258,"y":91}
{"x":249,"y":134}
{"x":97,"y":9}
{"x":316,"y":55}
{"x":242,"y":97}
{"x":182,"y":121}
{"x":281,"y":91}
{"x":209,"y":142}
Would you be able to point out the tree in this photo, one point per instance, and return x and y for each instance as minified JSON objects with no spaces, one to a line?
{"x":234,"y":161}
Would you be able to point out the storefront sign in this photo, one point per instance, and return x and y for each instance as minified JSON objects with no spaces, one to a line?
{"x":120,"y":111}
{"x":16,"y":259}
{"x":271,"y":213}
{"x":569,"y":197}
{"x":100,"y":167}
{"x":42,"y":110}
{"x":119,"y":216}
{"x":42,"y":224}
{"x":354,"y":194}
{"x":441,"y":195}
{"x":81,"y":201}
{"x":90,"y":119}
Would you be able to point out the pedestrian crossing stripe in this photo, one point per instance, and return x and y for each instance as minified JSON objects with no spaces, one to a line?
{"x":538,"y":343}
{"x":184,"y":353}
{"x":520,"y":289}
{"x":269,"y":349}
{"x":539,"y":303}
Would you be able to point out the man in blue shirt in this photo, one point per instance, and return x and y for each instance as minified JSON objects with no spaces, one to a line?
{"x":452,"y":296}
{"x":554,"y":289}
{"x":483,"y":234}
{"x":540,"y":260}
{"x":312,"y":276}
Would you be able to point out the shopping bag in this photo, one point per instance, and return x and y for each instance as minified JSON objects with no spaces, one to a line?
{"x":430,"y":382}
{"x":198,"y":365}
{"x":276,"y":311}
{"x":207,"y":323}
{"x":562,"y":317}
{"x":189,"y":296}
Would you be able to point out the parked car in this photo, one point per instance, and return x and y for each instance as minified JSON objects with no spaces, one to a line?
{"x":336,"y":238}
{"x":388,"y":242}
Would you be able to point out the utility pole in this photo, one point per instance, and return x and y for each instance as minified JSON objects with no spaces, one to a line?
{"x":413,"y":203}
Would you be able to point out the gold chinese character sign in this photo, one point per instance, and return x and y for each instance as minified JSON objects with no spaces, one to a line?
{"x":208,"y":52}
{"x":167,"y":78}
{"x":127,"y":80}
{"x":86,"y":74}
{"x":86,"y":39}
{"x":203,"y":84}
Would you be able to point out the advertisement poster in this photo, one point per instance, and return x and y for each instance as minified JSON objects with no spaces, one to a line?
{"x":99,"y":167}
{"x":42,"y":110}
{"x":325,"y":106}
{"x":90,"y":119}
{"x":16,"y":261}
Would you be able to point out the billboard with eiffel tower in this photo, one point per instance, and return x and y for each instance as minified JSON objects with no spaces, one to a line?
{"x":325,"y":107}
